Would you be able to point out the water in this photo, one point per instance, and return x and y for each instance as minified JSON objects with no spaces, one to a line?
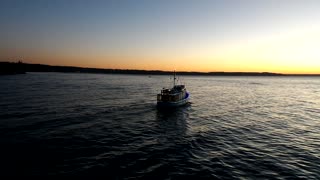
{"x":108,"y":125}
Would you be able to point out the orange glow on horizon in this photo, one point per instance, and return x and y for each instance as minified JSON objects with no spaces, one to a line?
{"x":289,"y":53}
{"x":188,"y":65}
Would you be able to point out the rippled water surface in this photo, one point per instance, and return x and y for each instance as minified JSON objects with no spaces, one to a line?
{"x":108,"y":125}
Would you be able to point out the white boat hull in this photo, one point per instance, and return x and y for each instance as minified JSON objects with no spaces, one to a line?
{"x":174,"y":104}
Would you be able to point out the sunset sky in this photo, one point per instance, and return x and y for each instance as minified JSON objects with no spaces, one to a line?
{"x":280,"y":36}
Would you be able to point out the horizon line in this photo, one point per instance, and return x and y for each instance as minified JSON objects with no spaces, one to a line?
{"x":168,"y":71}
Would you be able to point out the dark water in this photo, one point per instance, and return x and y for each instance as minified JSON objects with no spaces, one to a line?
{"x":108,"y":125}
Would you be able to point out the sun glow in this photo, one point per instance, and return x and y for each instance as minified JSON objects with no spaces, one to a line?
{"x":290,"y":52}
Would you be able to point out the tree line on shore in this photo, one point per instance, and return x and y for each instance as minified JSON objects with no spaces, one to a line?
{"x":19,"y":67}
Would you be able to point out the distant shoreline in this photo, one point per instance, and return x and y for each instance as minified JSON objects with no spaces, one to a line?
{"x":7,"y":68}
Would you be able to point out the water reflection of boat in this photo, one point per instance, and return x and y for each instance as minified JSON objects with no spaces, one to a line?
{"x":174,"y":97}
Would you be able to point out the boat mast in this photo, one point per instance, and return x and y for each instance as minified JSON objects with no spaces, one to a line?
{"x":174,"y":78}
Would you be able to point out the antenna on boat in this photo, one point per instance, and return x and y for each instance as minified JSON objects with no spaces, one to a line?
{"x":174,"y":78}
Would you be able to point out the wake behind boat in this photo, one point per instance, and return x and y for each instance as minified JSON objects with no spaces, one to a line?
{"x":174,"y":97}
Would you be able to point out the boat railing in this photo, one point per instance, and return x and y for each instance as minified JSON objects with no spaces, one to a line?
{"x":171,"y":97}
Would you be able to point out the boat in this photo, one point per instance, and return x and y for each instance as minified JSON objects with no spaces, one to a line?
{"x":173,"y":97}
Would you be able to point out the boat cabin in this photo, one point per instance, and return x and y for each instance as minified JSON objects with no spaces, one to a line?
{"x":177,"y":93}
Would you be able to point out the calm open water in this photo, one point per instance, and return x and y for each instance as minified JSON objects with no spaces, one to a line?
{"x":108,"y":125}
